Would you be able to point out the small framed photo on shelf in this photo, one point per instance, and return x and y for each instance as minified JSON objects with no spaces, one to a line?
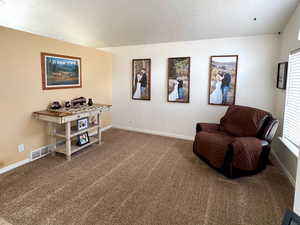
{"x":282,"y":75}
{"x":83,"y":139}
{"x":83,"y":124}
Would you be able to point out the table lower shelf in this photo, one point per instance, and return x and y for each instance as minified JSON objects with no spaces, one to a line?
{"x":75,"y":132}
{"x":76,"y":148}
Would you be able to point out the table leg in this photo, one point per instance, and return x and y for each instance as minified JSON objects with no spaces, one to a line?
{"x":52,"y":137}
{"x":68,"y":140}
{"x":99,"y":129}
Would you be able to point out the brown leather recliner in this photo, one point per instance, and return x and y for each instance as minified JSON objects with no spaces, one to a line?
{"x":240,"y":144}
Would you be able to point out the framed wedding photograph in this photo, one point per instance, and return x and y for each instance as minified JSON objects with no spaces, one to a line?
{"x":222,"y":80}
{"x":83,"y":124}
{"x":282,"y":75}
{"x":83,"y":139}
{"x":141,"y":79}
{"x":60,"y":71}
{"x":179,"y":79}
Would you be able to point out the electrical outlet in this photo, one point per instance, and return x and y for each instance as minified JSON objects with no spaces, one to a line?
{"x":21,"y":147}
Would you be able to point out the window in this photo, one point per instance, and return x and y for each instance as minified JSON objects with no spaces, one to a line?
{"x":291,"y":125}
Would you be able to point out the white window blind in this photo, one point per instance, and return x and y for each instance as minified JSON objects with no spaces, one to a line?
{"x":291,"y":125}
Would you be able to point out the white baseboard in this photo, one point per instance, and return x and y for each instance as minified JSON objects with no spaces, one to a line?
{"x":102,"y":130}
{"x":179,"y":136}
{"x":106,"y":128}
{"x":25,"y":161}
{"x":285,"y":170}
{"x":14,"y":165}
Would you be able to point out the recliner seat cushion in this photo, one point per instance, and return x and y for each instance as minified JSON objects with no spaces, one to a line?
{"x":242,"y":121}
{"x":213,"y":146}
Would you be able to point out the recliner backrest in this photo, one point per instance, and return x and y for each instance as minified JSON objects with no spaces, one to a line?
{"x":243,"y":121}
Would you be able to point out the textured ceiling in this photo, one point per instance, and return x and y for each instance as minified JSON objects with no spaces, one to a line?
{"x":105,"y":23}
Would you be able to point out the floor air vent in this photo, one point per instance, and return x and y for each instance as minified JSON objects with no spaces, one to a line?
{"x":44,"y":151}
{"x":39,"y":153}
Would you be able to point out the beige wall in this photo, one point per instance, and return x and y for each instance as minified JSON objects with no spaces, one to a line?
{"x":21,"y":88}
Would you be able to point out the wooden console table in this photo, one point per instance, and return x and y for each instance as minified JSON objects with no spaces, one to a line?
{"x":65,"y":118}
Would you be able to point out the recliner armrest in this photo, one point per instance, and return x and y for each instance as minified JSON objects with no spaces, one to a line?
{"x":247,"y":152}
{"x":268,"y":129}
{"x":207,"y":127}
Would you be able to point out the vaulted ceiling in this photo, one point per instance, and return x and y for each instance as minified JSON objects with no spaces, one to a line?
{"x":104,"y":23}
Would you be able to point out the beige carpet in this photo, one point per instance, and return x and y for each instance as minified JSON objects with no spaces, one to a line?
{"x":3,"y":222}
{"x":136,"y":178}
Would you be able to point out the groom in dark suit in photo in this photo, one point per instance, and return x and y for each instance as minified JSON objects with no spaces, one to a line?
{"x":180,"y":89}
{"x":143,"y":82}
{"x":225,"y":87}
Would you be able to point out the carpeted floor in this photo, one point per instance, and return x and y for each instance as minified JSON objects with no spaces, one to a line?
{"x":136,"y":178}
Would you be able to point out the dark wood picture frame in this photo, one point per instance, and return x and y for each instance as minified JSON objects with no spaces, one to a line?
{"x":170,"y":61}
{"x":79,"y":137}
{"x":284,"y":75}
{"x":133,"y":80}
{"x":291,"y":218}
{"x":210,"y":77}
{"x":44,"y":73}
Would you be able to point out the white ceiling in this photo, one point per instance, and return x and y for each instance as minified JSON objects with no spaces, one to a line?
{"x":104,"y":23}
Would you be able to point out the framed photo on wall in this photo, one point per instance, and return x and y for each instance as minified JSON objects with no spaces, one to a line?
{"x":141,"y":79}
{"x":222,"y":80}
{"x":60,"y":71}
{"x":282,"y":75}
{"x":179,"y":79}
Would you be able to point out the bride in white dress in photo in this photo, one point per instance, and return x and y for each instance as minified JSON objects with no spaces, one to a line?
{"x":173,"y":96}
{"x":216,"y":97}
{"x":137,"y":93}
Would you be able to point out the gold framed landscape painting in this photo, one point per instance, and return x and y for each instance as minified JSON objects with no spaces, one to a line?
{"x":179,"y":79}
{"x":222,"y":80}
{"x":60,"y":71}
{"x":141,"y":79}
